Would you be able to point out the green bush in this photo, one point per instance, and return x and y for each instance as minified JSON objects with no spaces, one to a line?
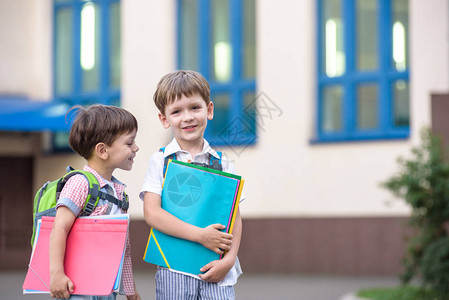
{"x":398,"y":293}
{"x":423,"y":182}
{"x":435,"y":265}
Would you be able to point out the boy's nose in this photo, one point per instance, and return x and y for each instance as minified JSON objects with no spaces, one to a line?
{"x":188,"y":116}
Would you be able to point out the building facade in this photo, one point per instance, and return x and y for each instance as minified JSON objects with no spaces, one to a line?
{"x":315,"y":101}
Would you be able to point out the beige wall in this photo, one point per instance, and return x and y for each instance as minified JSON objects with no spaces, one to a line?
{"x":25,"y":48}
{"x":429,"y":21}
{"x":148,"y":41}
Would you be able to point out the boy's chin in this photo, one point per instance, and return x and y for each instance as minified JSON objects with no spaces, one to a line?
{"x":127,"y":168}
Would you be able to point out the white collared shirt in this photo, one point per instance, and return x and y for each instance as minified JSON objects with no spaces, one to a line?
{"x":154,"y":176}
{"x":154,"y":179}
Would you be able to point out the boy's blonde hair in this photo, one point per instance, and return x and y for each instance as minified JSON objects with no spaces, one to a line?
{"x":183,"y":82}
{"x":98,"y":123}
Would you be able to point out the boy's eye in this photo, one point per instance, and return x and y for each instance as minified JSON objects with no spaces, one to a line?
{"x":175,"y":112}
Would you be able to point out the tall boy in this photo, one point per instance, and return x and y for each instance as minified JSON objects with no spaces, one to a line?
{"x":105,"y":137}
{"x":183,"y":100}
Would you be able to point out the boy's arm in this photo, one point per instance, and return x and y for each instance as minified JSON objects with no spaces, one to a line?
{"x":210,"y":237}
{"x":216,"y":270}
{"x":129,"y":286}
{"x":60,"y":285}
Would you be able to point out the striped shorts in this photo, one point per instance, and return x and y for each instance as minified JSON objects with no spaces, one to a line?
{"x":176,"y":286}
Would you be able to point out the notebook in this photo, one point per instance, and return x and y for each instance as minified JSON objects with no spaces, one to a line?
{"x":94,"y":255}
{"x":201,"y":197}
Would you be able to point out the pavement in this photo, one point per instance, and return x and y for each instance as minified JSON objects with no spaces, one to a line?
{"x":250,"y":286}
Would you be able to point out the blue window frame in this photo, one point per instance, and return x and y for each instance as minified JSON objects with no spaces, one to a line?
{"x":217,"y":39}
{"x":363,"y":70}
{"x":87,"y":51}
{"x":87,"y":56}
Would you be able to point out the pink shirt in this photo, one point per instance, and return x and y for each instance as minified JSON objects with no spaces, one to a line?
{"x":74,"y":195}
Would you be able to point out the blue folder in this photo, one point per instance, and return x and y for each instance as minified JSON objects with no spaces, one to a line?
{"x":198,"y":196}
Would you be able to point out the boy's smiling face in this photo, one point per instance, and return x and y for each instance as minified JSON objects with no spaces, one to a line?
{"x":123,"y":150}
{"x":187,"y":118}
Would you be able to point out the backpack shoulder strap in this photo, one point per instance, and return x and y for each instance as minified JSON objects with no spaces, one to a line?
{"x":213,"y":158}
{"x":70,"y":174}
{"x":94,"y":193}
{"x":93,"y":185}
{"x":216,"y":162}
{"x":166,"y":159}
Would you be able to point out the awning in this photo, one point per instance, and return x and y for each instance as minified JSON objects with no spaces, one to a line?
{"x":18,"y":114}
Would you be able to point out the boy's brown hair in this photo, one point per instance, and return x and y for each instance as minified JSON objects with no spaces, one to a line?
{"x":98,"y":123}
{"x":183,"y":82}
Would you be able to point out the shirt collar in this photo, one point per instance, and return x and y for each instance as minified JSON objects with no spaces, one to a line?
{"x":174,"y":147}
{"x":102,"y":182}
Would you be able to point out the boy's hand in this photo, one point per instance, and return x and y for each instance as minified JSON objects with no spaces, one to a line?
{"x":216,"y":270}
{"x":212,"y":238}
{"x":61,"y":286}
{"x":133,"y":297}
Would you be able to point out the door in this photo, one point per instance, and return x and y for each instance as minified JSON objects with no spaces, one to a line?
{"x":16,"y":201}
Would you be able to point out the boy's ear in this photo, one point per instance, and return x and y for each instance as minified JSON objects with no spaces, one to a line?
{"x":101,"y":150}
{"x":210,"y":111}
{"x":164,"y":121}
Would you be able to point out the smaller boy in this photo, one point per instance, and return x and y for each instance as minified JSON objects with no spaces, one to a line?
{"x":183,"y":100}
{"x":105,"y":137}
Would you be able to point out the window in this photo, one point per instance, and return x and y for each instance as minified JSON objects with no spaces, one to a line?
{"x":87,"y":51}
{"x":363,"y":61}
{"x":217,"y":39}
{"x":87,"y":55}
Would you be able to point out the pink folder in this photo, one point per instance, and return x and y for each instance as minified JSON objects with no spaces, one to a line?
{"x":93,"y":255}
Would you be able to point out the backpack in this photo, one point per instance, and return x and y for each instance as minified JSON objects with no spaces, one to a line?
{"x":47,"y":196}
{"x":214,"y":162}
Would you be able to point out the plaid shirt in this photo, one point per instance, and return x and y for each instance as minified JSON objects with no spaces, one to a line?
{"x":74,"y":195}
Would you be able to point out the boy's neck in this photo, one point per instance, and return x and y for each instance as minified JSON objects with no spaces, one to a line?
{"x":102,"y":170}
{"x":193,"y":148}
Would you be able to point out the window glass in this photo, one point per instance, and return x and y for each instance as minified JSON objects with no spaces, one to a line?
{"x":367,"y":49}
{"x":249,"y":39}
{"x":401,"y":103}
{"x":63,"y":59}
{"x":332,"y":109}
{"x":221,"y":51}
{"x":115,"y":102}
{"x":221,"y":113}
{"x":363,"y":69}
{"x":115,"y":46}
{"x":60,"y":141}
{"x":367,"y":108}
{"x":400,"y":35}
{"x":333,"y":44}
{"x":84,"y":67}
{"x":85,"y":70}
{"x":189,"y":35}
{"x":217,"y":39}
{"x":90,"y":46}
